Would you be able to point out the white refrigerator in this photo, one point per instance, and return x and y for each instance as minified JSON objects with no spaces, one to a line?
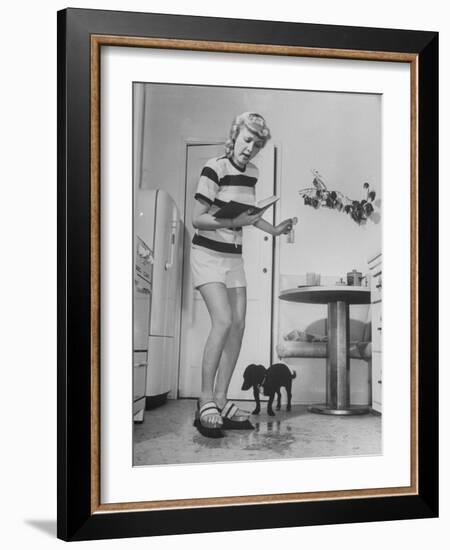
{"x":158,"y":224}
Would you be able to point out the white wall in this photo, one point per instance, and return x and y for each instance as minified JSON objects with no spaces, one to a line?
{"x":28,"y":215}
{"x":337,"y":133}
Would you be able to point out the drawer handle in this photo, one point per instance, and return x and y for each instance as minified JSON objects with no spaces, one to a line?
{"x":139,"y":365}
{"x":141,"y":288}
{"x":380,"y":382}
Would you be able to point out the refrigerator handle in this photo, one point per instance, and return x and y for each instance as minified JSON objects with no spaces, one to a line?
{"x":169,"y":264}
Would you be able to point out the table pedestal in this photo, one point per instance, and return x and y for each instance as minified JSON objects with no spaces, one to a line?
{"x":338,"y":364}
{"x":348,"y":411}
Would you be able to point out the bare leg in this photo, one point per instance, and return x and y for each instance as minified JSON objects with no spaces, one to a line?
{"x":238,"y":303}
{"x":217,"y":301}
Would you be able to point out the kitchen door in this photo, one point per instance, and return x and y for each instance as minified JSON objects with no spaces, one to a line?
{"x":258,"y":258}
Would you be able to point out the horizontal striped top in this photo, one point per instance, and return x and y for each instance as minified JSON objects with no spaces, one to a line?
{"x":221,"y":180}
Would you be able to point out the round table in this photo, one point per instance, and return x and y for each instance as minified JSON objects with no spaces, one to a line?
{"x":338,"y":299}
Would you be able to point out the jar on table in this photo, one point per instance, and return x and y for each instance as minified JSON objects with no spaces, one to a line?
{"x":354,"y":278}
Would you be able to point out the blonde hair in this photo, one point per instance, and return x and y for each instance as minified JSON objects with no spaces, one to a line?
{"x":254,"y":122}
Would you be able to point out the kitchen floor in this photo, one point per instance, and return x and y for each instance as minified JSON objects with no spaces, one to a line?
{"x":167,"y":436}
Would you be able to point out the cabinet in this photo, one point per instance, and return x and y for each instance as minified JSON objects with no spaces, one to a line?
{"x":142,"y":292}
{"x":139,"y":379}
{"x":376,"y":286}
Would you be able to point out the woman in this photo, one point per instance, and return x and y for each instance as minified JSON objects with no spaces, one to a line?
{"x":218,"y":269}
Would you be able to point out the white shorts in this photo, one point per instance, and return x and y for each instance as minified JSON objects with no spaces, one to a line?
{"x":209,"y":266}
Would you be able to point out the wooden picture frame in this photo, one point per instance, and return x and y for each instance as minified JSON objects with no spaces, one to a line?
{"x":81,"y":35}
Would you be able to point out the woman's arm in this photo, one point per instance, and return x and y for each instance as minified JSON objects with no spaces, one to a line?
{"x":282,"y":228}
{"x":201,"y":219}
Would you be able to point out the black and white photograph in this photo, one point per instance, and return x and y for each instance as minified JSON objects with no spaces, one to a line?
{"x":257,"y":288}
{"x":246,"y":274}
{"x":224,"y":287}
{"x":151,"y":389}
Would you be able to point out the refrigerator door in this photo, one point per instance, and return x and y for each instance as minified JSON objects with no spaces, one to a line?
{"x":163,"y":339}
{"x":161,"y":365}
{"x":162,"y":319}
{"x":145,"y":216}
{"x":143,"y":263}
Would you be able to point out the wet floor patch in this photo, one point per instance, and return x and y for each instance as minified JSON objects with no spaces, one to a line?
{"x":167,"y":436}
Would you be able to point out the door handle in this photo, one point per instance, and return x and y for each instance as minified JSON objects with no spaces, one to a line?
{"x":169,"y":264}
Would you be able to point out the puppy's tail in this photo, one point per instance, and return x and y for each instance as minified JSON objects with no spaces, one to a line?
{"x":293,"y":374}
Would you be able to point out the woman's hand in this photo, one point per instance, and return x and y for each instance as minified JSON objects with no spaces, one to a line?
{"x":284,"y":227}
{"x":245,"y":219}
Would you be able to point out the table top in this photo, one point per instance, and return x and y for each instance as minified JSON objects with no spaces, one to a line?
{"x":327,"y":294}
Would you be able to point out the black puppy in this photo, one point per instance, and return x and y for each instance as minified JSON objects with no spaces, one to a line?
{"x":277,"y":376}
{"x":254,"y":375}
{"x":271,"y":380}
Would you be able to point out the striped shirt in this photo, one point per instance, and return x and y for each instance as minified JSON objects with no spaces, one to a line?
{"x":221,"y":180}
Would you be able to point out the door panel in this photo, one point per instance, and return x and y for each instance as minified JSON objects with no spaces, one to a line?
{"x":257,"y":253}
{"x":195,"y":322}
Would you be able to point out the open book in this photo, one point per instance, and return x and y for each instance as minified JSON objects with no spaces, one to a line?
{"x":232,"y":209}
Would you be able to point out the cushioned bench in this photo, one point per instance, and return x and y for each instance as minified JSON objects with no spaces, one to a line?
{"x":319,"y":350}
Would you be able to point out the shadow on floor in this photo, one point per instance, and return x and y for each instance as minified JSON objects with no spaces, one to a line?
{"x":47,"y":526}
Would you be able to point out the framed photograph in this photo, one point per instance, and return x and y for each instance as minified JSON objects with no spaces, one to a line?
{"x":247,"y":255}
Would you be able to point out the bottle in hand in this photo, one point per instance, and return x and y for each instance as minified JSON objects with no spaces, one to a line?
{"x":290,"y":239}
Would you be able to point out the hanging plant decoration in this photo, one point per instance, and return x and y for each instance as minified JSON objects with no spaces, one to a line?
{"x":320,"y":196}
